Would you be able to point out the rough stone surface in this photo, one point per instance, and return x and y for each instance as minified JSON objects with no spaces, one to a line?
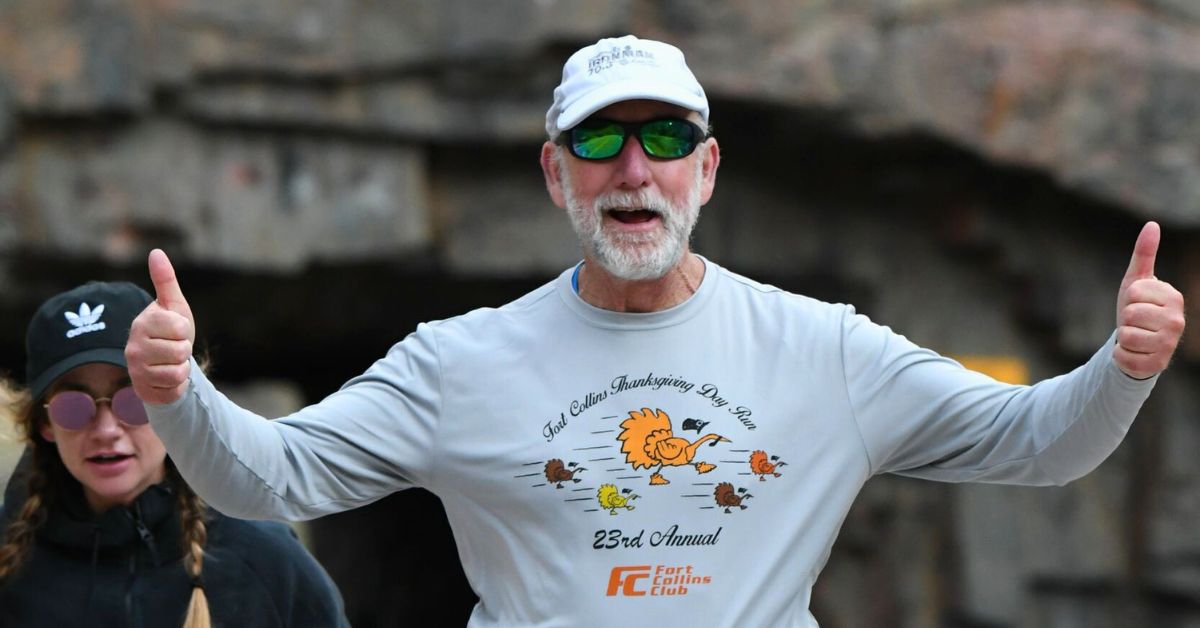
{"x":1100,"y":95}
{"x":1175,"y":9}
{"x":1097,"y":94}
{"x":1009,"y":536}
{"x":403,"y":108}
{"x":269,"y":398}
{"x":67,"y":57}
{"x":246,"y":200}
{"x":885,"y":568}
{"x":496,"y":217}
{"x":284,"y":203}
{"x":1174,"y":544}
{"x":1186,"y":277}
{"x":9,"y":214}
{"x":6,"y":112}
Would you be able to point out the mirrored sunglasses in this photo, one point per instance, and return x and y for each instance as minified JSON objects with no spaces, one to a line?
{"x":74,"y":409}
{"x":663,"y":138}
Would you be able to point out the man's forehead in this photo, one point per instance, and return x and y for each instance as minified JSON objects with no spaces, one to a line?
{"x":634,"y":110}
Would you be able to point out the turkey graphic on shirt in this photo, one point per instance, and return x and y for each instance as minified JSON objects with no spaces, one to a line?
{"x":648,"y":441}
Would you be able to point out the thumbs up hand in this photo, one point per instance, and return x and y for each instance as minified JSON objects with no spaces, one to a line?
{"x":1149,"y":313}
{"x":161,"y":337}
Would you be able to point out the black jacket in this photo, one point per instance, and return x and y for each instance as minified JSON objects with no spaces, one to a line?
{"x":125,"y":570}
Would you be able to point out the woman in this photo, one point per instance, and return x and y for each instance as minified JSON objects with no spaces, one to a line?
{"x":98,"y":527}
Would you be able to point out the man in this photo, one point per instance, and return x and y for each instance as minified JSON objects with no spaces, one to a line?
{"x":648,"y":439}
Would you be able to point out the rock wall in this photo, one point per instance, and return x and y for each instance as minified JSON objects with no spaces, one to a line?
{"x":971,"y":172}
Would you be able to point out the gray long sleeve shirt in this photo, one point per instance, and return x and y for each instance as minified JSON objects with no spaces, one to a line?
{"x":609,"y":469}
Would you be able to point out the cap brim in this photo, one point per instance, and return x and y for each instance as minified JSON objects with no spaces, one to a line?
{"x":633,"y":89}
{"x":106,"y":355}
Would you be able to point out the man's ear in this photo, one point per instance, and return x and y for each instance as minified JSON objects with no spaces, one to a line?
{"x":710,"y":158}
{"x":550,"y":170}
{"x":47,"y":432}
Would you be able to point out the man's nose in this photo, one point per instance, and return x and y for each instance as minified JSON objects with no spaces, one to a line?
{"x":633,"y":166}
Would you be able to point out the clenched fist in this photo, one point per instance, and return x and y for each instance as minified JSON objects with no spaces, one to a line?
{"x":160,"y":340}
{"x":1149,"y":312}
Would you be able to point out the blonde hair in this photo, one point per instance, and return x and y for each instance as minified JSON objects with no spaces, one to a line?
{"x":18,"y":538}
{"x":46,"y":468}
{"x":195,"y":533}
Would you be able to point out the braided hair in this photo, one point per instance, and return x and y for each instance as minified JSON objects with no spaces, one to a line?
{"x":47,"y":469}
{"x":195,"y":533}
{"x":20,"y":534}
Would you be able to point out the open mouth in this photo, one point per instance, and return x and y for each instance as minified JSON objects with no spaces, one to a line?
{"x":108,"y":458}
{"x":632,"y":216}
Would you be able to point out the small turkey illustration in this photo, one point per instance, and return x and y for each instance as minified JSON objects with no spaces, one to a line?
{"x":727,"y":497}
{"x":762,"y":467}
{"x":557,"y":473}
{"x":611,"y":499}
{"x":648,"y":442}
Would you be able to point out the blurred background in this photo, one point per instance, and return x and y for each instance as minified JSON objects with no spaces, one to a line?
{"x":327,"y":174}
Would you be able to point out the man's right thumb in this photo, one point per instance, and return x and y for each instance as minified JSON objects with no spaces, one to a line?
{"x":166,"y":287}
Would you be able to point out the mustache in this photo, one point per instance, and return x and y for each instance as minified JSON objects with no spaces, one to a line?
{"x":633,"y":200}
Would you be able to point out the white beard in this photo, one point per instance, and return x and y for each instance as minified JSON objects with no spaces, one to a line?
{"x":634,"y":256}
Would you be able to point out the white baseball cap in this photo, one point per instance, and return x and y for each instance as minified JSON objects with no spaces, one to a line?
{"x":622,"y":68}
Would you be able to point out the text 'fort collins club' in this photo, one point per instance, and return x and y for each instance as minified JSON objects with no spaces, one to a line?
{"x":653,"y":580}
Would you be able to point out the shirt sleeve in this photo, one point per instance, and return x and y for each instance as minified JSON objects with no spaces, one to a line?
{"x":924,"y":415}
{"x":371,"y":438}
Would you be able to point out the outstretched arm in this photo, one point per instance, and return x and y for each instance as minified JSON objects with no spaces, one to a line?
{"x":369,"y":439}
{"x":924,"y":415}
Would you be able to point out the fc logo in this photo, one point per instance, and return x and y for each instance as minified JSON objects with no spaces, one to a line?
{"x":653,"y":580}
{"x":625,"y":579}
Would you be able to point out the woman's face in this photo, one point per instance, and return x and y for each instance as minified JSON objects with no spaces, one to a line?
{"x":113,"y":461}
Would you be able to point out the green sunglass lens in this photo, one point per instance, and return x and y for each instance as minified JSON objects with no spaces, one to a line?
{"x":667,"y":138}
{"x":599,"y":142}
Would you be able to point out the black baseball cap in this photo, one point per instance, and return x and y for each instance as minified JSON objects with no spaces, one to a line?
{"x":86,"y":324}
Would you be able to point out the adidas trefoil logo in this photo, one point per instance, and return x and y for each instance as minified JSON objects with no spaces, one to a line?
{"x":85,"y":321}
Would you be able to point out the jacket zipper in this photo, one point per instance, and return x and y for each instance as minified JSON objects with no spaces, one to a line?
{"x":148,"y":541}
